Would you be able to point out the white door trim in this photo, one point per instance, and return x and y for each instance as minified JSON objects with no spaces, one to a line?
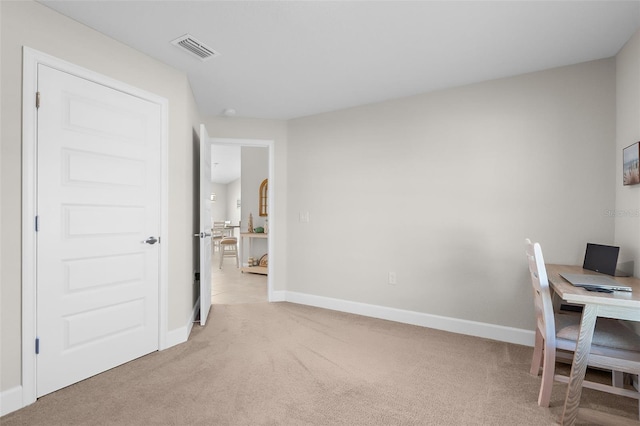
{"x":266,"y":143}
{"x":31,"y":59}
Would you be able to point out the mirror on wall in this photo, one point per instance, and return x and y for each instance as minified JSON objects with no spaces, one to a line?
{"x":263,"y":197}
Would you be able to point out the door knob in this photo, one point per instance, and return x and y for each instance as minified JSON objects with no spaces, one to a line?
{"x":151,"y":240}
{"x":203,"y":234}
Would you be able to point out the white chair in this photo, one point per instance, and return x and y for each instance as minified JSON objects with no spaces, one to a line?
{"x":614,"y":346}
{"x":217,"y":234}
{"x":229,"y":247}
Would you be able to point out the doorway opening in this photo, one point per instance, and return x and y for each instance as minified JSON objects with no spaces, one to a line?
{"x":237,"y":202}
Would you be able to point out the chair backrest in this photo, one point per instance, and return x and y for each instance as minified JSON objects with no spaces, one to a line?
{"x":218,"y":229}
{"x":541,"y":292}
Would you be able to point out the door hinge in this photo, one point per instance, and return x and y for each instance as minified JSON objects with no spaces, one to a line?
{"x":37,"y":345}
{"x":37,"y":224}
{"x":37,"y":100}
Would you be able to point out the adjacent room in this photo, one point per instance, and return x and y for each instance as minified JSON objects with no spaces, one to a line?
{"x":237,"y":276}
{"x":391,"y":159}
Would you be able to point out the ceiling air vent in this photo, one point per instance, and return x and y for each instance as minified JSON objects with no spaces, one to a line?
{"x":194,"y":47}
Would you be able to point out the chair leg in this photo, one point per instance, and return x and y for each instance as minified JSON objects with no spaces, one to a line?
{"x":229,"y":250}
{"x":548,"y":371}
{"x":634,"y":379}
{"x":617,"y":379}
{"x":536,"y":360}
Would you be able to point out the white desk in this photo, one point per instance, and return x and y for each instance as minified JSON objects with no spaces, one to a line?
{"x":251,"y":236}
{"x":620,"y":305}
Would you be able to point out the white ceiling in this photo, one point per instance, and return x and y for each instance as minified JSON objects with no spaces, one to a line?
{"x":286,"y":59}
{"x":225,"y":163}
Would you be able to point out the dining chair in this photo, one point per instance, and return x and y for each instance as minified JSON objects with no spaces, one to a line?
{"x":229,"y":247}
{"x":614,"y":346}
{"x":217,"y":234}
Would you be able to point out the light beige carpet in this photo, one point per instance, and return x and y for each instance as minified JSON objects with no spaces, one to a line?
{"x":287,"y":364}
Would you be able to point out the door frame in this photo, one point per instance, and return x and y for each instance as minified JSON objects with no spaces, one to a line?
{"x":30,"y":60}
{"x":269,"y":144}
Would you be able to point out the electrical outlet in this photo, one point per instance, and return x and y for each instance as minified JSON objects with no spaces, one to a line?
{"x":304,"y":217}
{"x":393,"y":280}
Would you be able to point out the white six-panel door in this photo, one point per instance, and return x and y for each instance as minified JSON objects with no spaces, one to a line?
{"x":98,"y":207}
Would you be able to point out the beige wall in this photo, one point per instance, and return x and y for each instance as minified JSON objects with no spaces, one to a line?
{"x":255,"y":169}
{"x":627,"y":208}
{"x":219,"y":209}
{"x":27,"y":23}
{"x":234,"y":193}
{"x":444,"y":187}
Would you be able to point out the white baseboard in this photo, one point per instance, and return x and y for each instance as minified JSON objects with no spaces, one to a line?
{"x":489,"y":331}
{"x":181,"y":335}
{"x":10,"y":400}
{"x":278,"y":296}
{"x":177,"y":336}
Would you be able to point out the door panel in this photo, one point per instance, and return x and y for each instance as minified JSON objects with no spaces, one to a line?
{"x":205,"y":225}
{"x":98,"y":201}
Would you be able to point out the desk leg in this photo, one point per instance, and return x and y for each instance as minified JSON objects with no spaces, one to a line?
{"x":579,"y":365}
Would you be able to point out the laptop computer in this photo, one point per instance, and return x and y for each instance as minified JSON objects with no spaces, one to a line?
{"x":601,"y":258}
{"x":595,"y":282}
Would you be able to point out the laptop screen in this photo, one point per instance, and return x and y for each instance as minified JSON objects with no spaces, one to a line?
{"x":601,"y":258}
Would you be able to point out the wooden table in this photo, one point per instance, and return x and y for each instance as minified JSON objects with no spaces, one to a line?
{"x":229,"y":230}
{"x":253,"y":269}
{"x":620,"y":305}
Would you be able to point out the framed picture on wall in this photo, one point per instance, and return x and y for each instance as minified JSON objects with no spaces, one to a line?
{"x":630,"y":164}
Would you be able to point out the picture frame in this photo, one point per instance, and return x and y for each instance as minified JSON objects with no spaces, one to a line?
{"x":631,"y":164}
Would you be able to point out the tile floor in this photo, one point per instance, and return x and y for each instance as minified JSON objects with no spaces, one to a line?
{"x":230,"y":286}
